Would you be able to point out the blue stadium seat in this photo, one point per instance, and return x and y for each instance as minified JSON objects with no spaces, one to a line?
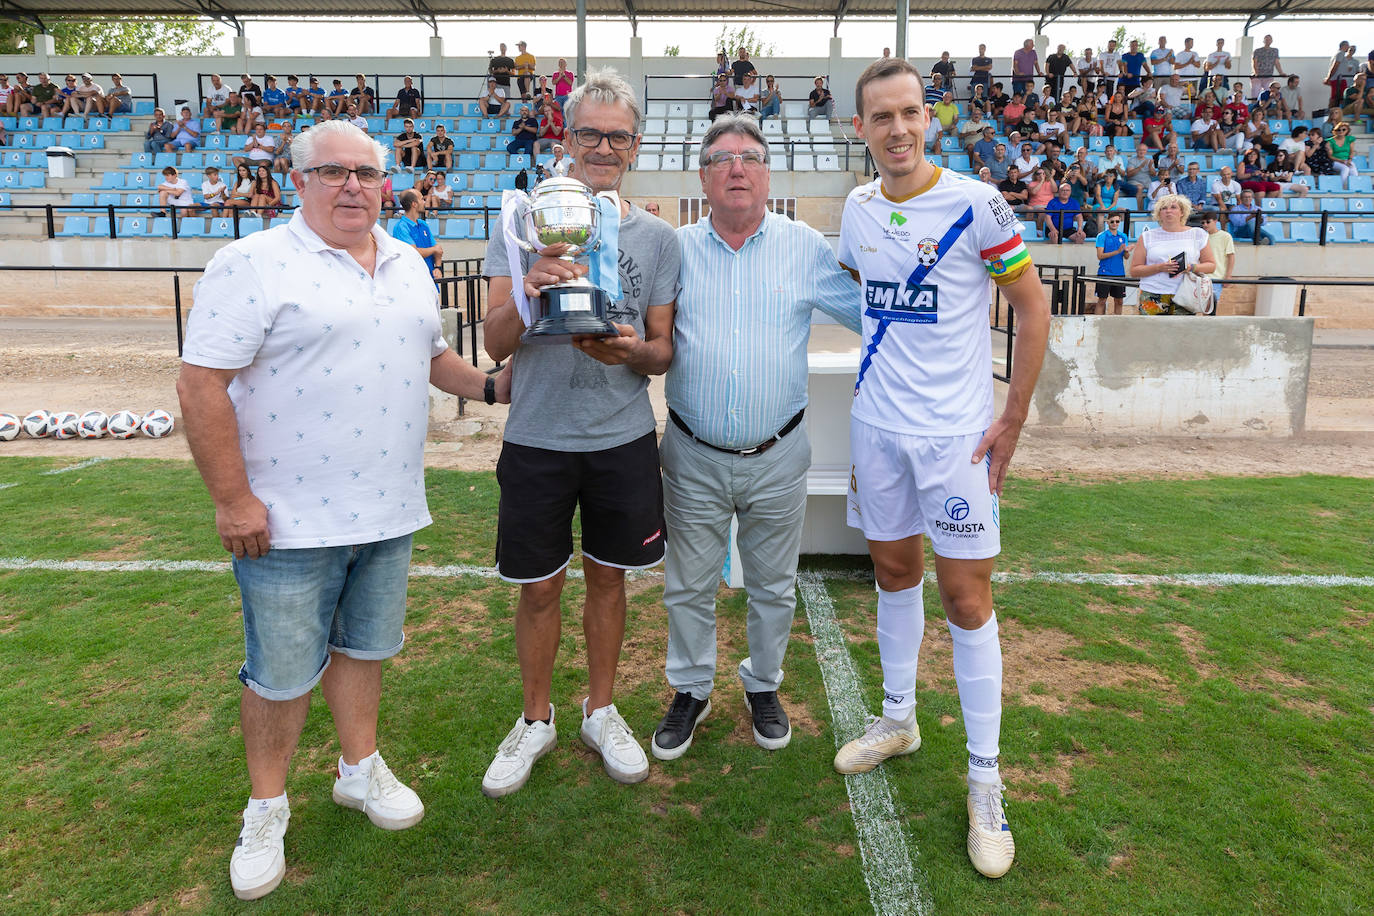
{"x":402,"y":181}
{"x":456,"y":229}
{"x":479,"y":143}
{"x":141,"y":160}
{"x":1302,"y":232}
{"x":10,"y":124}
{"x":1338,"y":232}
{"x":71,"y":141}
{"x":493,"y":201}
{"x":1274,"y":204}
{"x":469,"y":162}
{"x":433,"y":108}
{"x":1360,"y":204}
{"x":192,"y":160}
{"x":141,"y":180}
{"x":452,"y":109}
{"x":27,"y":123}
{"x":376,"y":124}
{"x":482,"y":181}
{"x":100,"y":226}
{"x":235,"y":141}
{"x":469,"y":125}
{"x":52,"y":123}
{"x":394,"y":126}
{"x":214,"y":141}
{"x":520,"y":161}
{"x":460,"y":142}
{"x":84,"y":199}
{"x":1362,"y":184}
{"x":121,"y":123}
{"x":471,"y":201}
{"x":92,"y":141}
{"x":13,"y":159}
{"x":192,"y":177}
{"x":32,"y":179}
{"x":133,"y":226}
{"x":1302,"y":205}
{"x":1364,"y":231}
{"x":491,"y":126}
{"x":221,"y":227}
{"x":1306,"y":180}
{"x":424,"y":125}
{"x":5,"y":199}
{"x":99,"y":124}
{"x":75,"y":225}
{"x":1097,"y":144}
{"x":192,"y":227}
{"x":494,"y":162}
{"x":1330,"y":184}
{"x":1332,"y":204}
{"x":161,"y":227}
{"x":38,"y":159}
{"x":43,"y":141}
{"x":23,"y":141}
{"x":959,"y":162}
{"x":505,"y":182}
{"x":111,"y":181}
{"x":458,"y":181}
{"x":109,"y":199}
{"x":73,"y":122}
{"x":144,"y":107}
{"x":1280,"y":126}
{"x":949,"y":144}
{"x":140,"y":199}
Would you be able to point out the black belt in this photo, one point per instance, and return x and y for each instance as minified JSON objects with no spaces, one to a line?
{"x":743,"y":452}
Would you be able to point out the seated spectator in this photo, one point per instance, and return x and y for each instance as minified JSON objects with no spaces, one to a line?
{"x":89,"y":96}
{"x":336,"y":103}
{"x":274,"y":101}
{"x":231,"y":114}
{"x":352,"y":116}
{"x":1238,"y":104}
{"x":997,"y":100}
{"x":1363,"y":106}
{"x":282,"y":164}
{"x":1194,"y":187}
{"x":1027,"y":160}
{"x":250,"y":92}
{"x":1115,"y":116}
{"x":1257,"y":132}
{"x":259,"y":147}
{"x":425,"y":186}
{"x":409,"y":147}
{"x":1246,"y":220}
{"x":362,"y":96}
{"x":214,"y":192}
{"x":1340,"y":147}
{"x":494,"y":101}
{"x":1029,"y":128}
{"x":1269,"y":101}
{"x":1290,"y":99}
{"x":216,"y":99}
{"x":1206,"y":132}
{"x":1283,"y":170}
{"x":560,"y":165}
{"x":440,"y":152}
{"x":118,"y":99}
{"x":1334,"y":118}
{"x":524,"y":131}
{"x":1232,"y":131}
{"x":947,"y":114}
{"x":722,"y":96}
{"x":999,"y":163}
{"x":1041,"y":189}
{"x":16,"y":97}
{"x":1174,"y":98}
{"x":820,"y":103}
{"x":1110,"y":159}
{"x":1253,"y":174}
{"x":46,"y":103}
{"x":408,"y":102}
{"x":747,"y":95}
{"x":66,"y":97}
{"x":543,"y":99}
{"x":1157,"y":131}
{"x":983,"y":148}
{"x":1142,"y":101}
{"x":1054,"y":127}
{"x":298,"y":100}
{"x":1088,"y":167}
{"x":412,"y":229}
{"x":1064,"y":221}
{"x":185,"y":133}
{"x":551,"y":129}
{"x":1225,"y":189}
{"x":1112,"y":250}
{"x":770,"y":100}
{"x":1170,"y":162}
{"x":1054,"y":166}
{"x":1208,"y":107}
{"x":985,"y":176}
{"x":1163,"y":186}
{"x":440,"y":195}
{"x":6,"y":94}
{"x":266,"y":192}
{"x":1013,"y":189}
{"x":936,"y":90}
{"x":1082,"y":189}
{"x":174,"y":192}
{"x":1107,"y":194}
{"x":159,"y":133}
{"x":241,"y":193}
{"x":1013,"y":110}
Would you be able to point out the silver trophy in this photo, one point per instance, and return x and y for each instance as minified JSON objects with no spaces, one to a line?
{"x":563,"y":211}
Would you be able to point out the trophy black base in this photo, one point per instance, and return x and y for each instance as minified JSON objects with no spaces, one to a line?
{"x":569,"y":310}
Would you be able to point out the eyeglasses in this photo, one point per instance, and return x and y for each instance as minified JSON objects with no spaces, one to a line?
{"x":336,"y":176}
{"x":751,"y":159}
{"x":591,"y":138}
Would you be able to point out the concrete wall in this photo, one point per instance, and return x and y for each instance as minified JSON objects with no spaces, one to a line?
{"x":1176,"y":376}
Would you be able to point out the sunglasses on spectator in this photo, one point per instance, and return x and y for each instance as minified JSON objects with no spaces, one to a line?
{"x":336,"y":176}
{"x":591,"y":138}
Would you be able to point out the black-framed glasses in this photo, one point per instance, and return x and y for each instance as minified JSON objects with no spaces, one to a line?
{"x":751,"y":159}
{"x":336,"y":176}
{"x":591,"y":138}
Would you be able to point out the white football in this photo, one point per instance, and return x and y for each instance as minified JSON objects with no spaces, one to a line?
{"x":156,"y":424}
{"x":36,"y":424}
{"x":123,"y":424}
{"x":92,"y":425}
{"x":9,"y":427}
{"x":62,"y":424}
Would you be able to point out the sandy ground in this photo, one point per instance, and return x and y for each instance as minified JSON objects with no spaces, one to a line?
{"x":103,"y":364}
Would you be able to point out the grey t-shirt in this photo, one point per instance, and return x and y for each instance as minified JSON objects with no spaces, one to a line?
{"x":561,"y":398}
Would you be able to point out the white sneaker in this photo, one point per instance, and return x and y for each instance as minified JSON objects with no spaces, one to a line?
{"x":883,"y":738}
{"x":259,"y":860}
{"x":516,"y":756}
{"x":605,"y":732}
{"x":387,"y":802}
{"x":990,"y":846}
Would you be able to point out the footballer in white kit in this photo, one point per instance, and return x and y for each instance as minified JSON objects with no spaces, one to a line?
{"x":928,"y":457}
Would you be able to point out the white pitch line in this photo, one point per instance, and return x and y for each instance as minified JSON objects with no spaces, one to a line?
{"x":895,"y":886}
{"x":73,"y":467}
{"x":6,"y":486}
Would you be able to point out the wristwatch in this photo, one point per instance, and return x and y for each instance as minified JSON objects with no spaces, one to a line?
{"x":489,"y":390}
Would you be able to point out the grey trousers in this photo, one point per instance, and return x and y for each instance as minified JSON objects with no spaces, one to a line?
{"x":702,"y":489}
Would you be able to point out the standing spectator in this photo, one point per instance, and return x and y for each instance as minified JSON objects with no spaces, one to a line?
{"x":723,"y":66}
{"x":1188,"y":66}
{"x":1112,"y":250}
{"x":440,"y":152}
{"x":259,"y":147}
{"x":408,"y":102}
{"x":581,"y":433}
{"x":551,"y":129}
{"x":524,"y":131}
{"x":980,"y":71}
{"x":1219,"y":64}
{"x":751,"y":464}
{"x":174,"y":192}
{"x":1341,"y":147}
{"x":275,"y":102}
{"x":722,"y":96}
{"x":118,"y":98}
{"x":1025,"y":66}
{"x":945,"y":67}
{"x":216,"y":99}
{"x":362,"y":96}
{"x":1089,"y":70}
{"x":770,"y":101}
{"x":1132,"y":67}
{"x":743,"y":66}
{"x":1162,"y":60}
{"x":1225,"y":189}
{"x":1247,"y":220}
{"x":1162,"y":255}
{"x":410,"y":227}
{"x":1335,"y":74}
{"x":409,"y":146}
{"x":185,"y":133}
{"x":1193,"y":186}
{"x":159,"y":133}
{"x":495,"y":102}
{"x":525,"y":66}
{"x":1058,"y":65}
{"x":820,"y":103}
{"x":44,"y":97}
{"x":501,"y":67}
{"x":1223,"y":247}
{"x":89,"y":96}
{"x":332,"y":612}
{"x":563,"y":80}
{"x":214,"y":192}
{"x":1110,"y":60}
{"x":1264,"y":63}
{"x":1065,"y":218}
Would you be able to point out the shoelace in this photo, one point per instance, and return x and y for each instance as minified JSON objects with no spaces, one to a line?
{"x":771,"y":712}
{"x":877,"y":729}
{"x":678,"y":714}
{"x":617,"y":732}
{"x":258,"y":827}
{"x":988,"y":808}
{"x":515,"y":740}
{"x":382,"y":783}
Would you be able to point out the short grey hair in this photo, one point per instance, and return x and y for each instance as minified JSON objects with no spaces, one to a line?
{"x":741,"y":125}
{"x":303,"y":147}
{"x":607,"y":87}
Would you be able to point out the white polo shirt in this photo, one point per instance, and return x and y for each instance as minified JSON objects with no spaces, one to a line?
{"x":332,"y":394}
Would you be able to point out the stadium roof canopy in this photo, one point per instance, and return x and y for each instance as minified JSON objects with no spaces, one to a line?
{"x":233,"y":12}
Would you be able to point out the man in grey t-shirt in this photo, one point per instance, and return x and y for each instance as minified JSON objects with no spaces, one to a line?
{"x":581,"y":434}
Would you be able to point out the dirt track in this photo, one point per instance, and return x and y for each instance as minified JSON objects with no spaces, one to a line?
{"x":85,"y":364}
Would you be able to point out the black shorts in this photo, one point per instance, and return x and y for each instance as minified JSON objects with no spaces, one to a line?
{"x":1110,"y":290}
{"x":620,"y":492}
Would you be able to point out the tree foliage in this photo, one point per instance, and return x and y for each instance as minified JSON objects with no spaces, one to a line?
{"x":731,"y":40}
{"x":181,"y":35}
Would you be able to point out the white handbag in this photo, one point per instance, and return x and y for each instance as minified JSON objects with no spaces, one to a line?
{"x":1194,"y":293}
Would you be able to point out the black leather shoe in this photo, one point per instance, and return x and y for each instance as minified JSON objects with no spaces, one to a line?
{"x":674,"y":734}
{"x":771,"y":728}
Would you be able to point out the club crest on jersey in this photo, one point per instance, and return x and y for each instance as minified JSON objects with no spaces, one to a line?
{"x":897,"y":302}
{"x":927,"y":252}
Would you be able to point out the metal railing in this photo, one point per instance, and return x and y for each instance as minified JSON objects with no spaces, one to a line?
{"x":134,"y":96}
{"x":696,"y":87}
{"x":1077,"y":298}
{"x":349,"y":82}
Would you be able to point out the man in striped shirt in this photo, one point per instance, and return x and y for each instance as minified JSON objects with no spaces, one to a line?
{"x":735,"y":444}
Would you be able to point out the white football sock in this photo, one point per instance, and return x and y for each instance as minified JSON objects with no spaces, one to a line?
{"x":262,"y":804}
{"x":362,"y":766}
{"x":978,"y":672}
{"x":901,"y":623}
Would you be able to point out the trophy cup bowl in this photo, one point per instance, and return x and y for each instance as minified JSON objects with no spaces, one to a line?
{"x":564,"y":211}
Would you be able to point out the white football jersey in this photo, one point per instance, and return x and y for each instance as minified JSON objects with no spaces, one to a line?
{"x":926,"y":264}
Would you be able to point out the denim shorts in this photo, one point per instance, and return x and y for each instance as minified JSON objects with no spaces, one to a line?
{"x":299,"y":605}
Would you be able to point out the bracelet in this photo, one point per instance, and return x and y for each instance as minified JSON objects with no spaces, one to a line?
{"x":489,"y":390}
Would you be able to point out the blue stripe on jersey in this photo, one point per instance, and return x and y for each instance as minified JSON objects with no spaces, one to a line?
{"x":919,"y":274}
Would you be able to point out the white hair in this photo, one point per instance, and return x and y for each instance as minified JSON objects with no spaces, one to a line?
{"x":303,"y":147}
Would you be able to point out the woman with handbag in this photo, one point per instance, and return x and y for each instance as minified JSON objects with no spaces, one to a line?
{"x":1173,"y":261}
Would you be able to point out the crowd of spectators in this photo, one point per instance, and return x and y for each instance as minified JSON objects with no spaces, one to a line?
{"x":737,"y":88}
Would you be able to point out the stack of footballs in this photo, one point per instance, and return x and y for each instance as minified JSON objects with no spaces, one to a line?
{"x":67,"y":424}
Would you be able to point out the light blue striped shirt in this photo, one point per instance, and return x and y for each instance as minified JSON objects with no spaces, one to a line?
{"x":742,"y":324}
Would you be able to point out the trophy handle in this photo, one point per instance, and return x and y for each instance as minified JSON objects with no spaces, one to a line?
{"x":514,"y":227}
